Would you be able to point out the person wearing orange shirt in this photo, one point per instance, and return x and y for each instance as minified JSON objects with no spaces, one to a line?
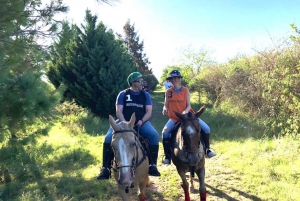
{"x":177,"y":98}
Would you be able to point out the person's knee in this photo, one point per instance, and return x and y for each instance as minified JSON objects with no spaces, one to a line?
{"x":166,"y":132}
{"x":205,"y":127}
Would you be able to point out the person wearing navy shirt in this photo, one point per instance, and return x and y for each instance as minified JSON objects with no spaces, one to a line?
{"x":129,"y":101}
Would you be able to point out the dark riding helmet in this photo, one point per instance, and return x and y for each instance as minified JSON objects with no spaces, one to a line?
{"x":174,"y":73}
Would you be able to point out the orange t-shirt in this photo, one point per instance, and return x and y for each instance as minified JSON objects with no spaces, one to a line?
{"x":177,"y":102}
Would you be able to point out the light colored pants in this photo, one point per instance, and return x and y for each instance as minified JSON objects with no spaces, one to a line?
{"x":170,"y":124}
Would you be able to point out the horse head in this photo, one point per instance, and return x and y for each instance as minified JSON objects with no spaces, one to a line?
{"x":124,"y":147}
{"x":189,"y":131}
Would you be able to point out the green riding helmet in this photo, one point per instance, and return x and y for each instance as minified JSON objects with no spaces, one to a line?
{"x":133,"y":77}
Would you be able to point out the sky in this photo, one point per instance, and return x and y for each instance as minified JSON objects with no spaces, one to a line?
{"x":225,"y":28}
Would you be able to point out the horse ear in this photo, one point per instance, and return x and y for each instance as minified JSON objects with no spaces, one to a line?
{"x":132,"y":120}
{"x":113,"y":123}
{"x":180,"y":116}
{"x":197,"y":114}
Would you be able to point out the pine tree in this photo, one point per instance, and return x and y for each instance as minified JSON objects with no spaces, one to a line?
{"x":136,"y":48}
{"x":24,"y":96}
{"x":94,"y":67}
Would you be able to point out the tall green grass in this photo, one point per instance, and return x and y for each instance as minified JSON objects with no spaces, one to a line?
{"x":62,"y":164}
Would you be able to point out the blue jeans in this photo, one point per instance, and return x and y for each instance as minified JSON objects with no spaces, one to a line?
{"x":146,"y":130}
{"x":170,"y":124}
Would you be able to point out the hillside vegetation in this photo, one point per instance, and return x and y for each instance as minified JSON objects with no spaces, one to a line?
{"x":55,"y":101}
{"x":62,"y":161}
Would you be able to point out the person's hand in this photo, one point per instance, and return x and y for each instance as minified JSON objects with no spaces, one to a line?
{"x":140,"y":122}
{"x":165,"y":111}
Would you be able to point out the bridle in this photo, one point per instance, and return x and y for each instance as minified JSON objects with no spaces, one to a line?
{"x":185,"y":150}
{"x":135,"y":161}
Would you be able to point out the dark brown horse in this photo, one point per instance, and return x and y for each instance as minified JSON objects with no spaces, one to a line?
{"x":188,"y":152}
{"x":131,"y":161}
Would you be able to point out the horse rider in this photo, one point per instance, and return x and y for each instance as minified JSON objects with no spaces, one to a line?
{"x":177,"y":98}
{"x":129,"y":101}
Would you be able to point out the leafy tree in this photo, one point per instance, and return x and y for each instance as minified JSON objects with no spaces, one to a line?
{"x":192,"y":62}
{"x":93,"y":66}
{"x":24,"y":96}
{"x":136,"y":48}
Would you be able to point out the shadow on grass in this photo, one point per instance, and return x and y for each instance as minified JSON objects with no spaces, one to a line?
{"x":94,"y":126}
{"x":61,"y":179}
{"x":220,"y":194}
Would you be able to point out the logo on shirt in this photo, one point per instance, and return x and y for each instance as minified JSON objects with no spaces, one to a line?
{"x":128,"y":98}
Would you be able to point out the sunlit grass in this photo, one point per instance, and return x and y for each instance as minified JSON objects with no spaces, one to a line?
{"x":63,"y":164}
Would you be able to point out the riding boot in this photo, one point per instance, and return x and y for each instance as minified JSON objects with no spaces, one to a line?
{"x":209,"y":152}
{"x":153,"y":160}
{"x":107,"y":158}
{"x":166,"y":144}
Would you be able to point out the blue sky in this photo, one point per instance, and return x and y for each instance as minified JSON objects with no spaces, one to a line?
{"x":224,"y":27}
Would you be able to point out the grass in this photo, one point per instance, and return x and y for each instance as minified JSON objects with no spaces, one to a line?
{"x":63,"y":163}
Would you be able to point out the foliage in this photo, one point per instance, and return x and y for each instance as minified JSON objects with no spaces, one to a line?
{"x":193,"y":61}
{"x":58,"y":50}
{"x":93,"y":65}
{"x":264,"y":86}
{"x":24,"y":95}
{"x":209,"y":83}
{"x":167,"y":70}
{"x":62,"y":165}
{"x":136,"y":50}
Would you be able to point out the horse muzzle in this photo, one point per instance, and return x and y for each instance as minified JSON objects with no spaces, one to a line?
{"x":125,"y":178}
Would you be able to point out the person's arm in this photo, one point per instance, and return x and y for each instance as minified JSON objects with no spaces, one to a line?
{"x":147,"y":115}
{"x":166,"y":104}
{"x":119,"y":112}
{"x":148,"y":108}
{"x":120,"y":106}
{"x":188,"y":102}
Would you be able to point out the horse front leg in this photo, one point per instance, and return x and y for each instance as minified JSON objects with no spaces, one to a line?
{"x":142,"y":196}
{"x":191,"y":183}
{"x":184,"y":185}
{"x":202,"y":187}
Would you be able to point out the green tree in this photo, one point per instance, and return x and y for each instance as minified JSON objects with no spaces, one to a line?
{"x":58,"y":51}
{"x":136,"y":50}
{"x":94,"y":67}
{"x":192,"y":62}
{"x":24,"y":95}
